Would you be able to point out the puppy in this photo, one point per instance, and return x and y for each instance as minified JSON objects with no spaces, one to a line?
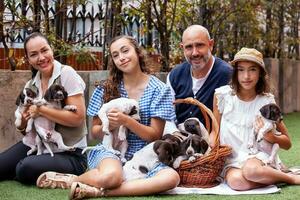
{"x":116,"y":141}
{"x":270,"y":114}
{"x":192,"y":147}
{"x":194,"y":126}
{"x":25,"y":98}
{"x":141,"y":163}
{"x":45,"y":129}
{"x":168,"y":148}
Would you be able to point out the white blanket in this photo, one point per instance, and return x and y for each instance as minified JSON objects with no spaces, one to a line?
{"x":222,"y":189}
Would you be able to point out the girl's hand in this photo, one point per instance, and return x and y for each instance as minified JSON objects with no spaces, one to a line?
{"x":258,"y":124}
{"x":116,"y":118}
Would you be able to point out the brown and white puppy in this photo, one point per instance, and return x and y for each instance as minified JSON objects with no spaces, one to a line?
{"x":271,"y":114}
{"x":168,"y":148}
{"x":115,"y":140}
{"x":192,"y":147}
{"x":194,"y":126}
{"x":26,"y":98}
{"x":47,"y":137}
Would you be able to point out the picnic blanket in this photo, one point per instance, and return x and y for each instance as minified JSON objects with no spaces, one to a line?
{"x":222,"y":189}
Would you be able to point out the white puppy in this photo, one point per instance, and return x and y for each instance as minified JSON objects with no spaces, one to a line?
{"x":141,"y":163}
{"x":116,"y":141}
{"x":26,"y":97}
{"x":270,"y":114}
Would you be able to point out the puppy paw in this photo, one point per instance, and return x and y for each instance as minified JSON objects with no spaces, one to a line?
{"x":192,"y":159}
{"x":250,"y":145}
{"x":197,"y":155}
{"x":72,"y":108}
{"x":176,"y":164}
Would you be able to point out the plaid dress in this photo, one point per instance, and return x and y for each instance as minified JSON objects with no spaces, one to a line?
{"x":156,"y":101}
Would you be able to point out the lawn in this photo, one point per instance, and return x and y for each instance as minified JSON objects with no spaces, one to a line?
{"x":14,"y":191}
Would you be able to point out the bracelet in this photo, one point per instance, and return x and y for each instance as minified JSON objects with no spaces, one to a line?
{"x":20,"y":130}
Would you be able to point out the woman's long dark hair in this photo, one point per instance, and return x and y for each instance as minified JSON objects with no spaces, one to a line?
{"x":115,"y":75}
{"x":29,"y":37}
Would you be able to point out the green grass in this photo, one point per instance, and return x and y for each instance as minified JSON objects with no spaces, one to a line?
{"x":12,"y":190}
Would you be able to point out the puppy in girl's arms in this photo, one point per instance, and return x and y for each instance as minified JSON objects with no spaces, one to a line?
{"x":115,"y":140}
{"x":270,"y":115}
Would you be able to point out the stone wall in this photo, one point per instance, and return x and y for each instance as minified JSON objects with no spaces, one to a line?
{"x":12,"y":82}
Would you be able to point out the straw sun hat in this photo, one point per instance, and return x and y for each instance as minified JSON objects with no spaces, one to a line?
{"x":249,"y":54}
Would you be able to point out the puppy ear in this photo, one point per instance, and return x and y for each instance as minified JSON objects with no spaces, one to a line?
{"x":20,"y":98}
{"x":48,"y":95}
{"x":133,"y":111}
{"x":157,"y":145}
{"x":64,"y":92}
{"x":265,"y":111}
{"x":204,"y":146}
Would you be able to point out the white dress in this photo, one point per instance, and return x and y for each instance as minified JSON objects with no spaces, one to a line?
{"x":237,"y":124}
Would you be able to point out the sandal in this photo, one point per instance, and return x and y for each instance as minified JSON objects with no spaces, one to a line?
{"x":80,"y":191}
{"x":295,"y":170}
{"x":55,"y":180}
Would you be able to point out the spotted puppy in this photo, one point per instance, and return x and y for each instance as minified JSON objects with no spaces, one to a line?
{"x":47,"y":137}
{"x":271,"y":114}
{"x":141,"y":163}
{"x":194,"y":126}
{"x":168,"y":148}
{"x":191,"y":148}
{"x":116,"y":141}
{"x":24,"y":99}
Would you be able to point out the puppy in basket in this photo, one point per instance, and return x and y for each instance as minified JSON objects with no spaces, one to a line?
{"x":116,"y":140}
{"x":270,"y":114}
{"x":46,"y":136}
{"x":197,"y":142}
{"x":25,"y":99}
{"x":191,"y":148}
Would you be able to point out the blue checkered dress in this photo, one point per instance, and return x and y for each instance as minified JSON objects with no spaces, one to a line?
{"x":155,"y":102}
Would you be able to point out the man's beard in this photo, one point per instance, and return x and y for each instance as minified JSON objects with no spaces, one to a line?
{"x":204,"y":60}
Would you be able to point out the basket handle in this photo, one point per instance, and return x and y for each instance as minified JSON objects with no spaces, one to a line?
{"x":205,"y":111}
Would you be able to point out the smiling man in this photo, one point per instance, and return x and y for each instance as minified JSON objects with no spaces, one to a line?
{"x":199,"y":75}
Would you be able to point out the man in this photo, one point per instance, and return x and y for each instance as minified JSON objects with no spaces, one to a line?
{"x":199,"y":75}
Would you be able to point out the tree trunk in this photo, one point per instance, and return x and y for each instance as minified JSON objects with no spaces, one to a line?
{"x":268,"y":41}
{"x":37,"y":15}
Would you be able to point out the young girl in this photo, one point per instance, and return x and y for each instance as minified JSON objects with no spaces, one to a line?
{"x":128,"y":78}
{"x":234,"y":108}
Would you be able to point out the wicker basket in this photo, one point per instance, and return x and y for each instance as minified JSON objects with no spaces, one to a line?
{"x":205,"y":170}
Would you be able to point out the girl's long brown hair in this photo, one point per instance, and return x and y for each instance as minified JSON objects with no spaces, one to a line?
{"x":115,"y":77}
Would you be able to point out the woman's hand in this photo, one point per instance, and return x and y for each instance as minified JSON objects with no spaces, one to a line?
{"x":34,"y":111}
{"x":25,"y":117}
{"x":116,"y":118}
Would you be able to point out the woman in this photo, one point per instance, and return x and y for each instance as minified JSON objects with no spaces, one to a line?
{"x":235,"y":107}
{"x":45,"y":72}
{"x":128,"y":78}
